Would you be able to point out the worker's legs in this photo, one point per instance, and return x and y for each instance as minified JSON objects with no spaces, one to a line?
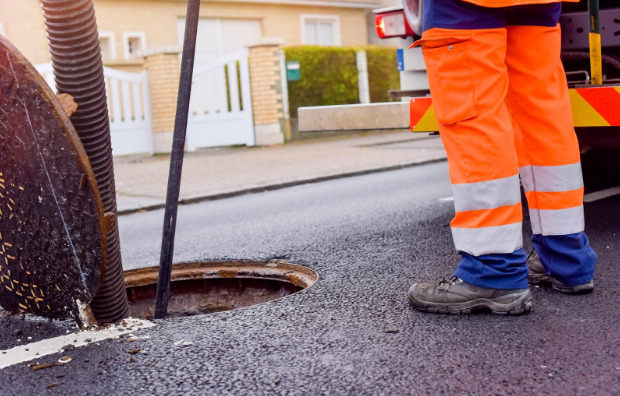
{"x":549,"y":157}
{"x":464,"y":50}
{"x":465,"y":54}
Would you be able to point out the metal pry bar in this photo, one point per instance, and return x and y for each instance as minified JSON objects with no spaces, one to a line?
{"x":176,"y":159}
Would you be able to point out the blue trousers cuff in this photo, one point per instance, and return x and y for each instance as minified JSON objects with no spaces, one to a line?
{"x":567,"y":258}
{"x":494,"y":271}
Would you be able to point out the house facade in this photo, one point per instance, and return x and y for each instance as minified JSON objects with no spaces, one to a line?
{"x":139,"y":35}
{"x":129,"y":27}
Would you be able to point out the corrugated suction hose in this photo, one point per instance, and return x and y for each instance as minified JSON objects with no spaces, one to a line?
{"x":575,"y":55}
{"x":78,"y":70}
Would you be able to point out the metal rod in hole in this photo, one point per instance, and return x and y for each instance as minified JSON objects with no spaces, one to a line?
{"x":176,"y":160}
{"x":596,"y":61}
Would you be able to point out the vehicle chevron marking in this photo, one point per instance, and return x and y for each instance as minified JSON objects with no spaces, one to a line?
{"x":592,"y":107}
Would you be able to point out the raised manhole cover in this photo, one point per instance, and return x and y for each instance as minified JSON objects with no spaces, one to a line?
{"x":201,"y":288}
{"x":52,"y":225}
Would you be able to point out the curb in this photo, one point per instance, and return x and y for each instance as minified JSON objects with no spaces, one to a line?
{"x":279,"y":186}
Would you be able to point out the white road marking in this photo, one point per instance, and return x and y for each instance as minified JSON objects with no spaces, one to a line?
{"x":36,"y":350}
{"x":595,"y":196}
{"x":448,"y":199}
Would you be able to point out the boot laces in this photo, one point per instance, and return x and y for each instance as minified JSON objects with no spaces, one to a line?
{"x":444,"y":284}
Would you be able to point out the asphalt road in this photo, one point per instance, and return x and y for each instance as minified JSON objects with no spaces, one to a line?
{"x":353,"y":333}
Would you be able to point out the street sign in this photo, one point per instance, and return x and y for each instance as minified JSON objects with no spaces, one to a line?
{"x":52,"y":239}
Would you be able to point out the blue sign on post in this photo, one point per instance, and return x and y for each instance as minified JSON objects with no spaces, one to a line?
{"x":293,"y":71}
{"x":400,"y":59}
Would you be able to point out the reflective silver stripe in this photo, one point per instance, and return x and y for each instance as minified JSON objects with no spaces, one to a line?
{"x":535,"y":221}
{"x":558,"y":221}
{"x":558,"y":178}
{"x":527,"y":178}
{"x":488,"y":240}
{"x":551,"y":178}
{"x":487,"y":194}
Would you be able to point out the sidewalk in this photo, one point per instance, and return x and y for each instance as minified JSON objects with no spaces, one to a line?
{"x":218,"y":173}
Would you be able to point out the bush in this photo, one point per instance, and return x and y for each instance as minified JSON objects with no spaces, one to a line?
{"x":329,"y":75}
{"x":383,"y":76}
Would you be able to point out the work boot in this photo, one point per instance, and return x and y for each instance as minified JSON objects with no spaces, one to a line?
{"x":538,"y":275}
{"x":457,"y":297}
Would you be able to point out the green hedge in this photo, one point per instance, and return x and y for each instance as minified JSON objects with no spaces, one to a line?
{"x":383,"y":74}
{"x":329,"y":75}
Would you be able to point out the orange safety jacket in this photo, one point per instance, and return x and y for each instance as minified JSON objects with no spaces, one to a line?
{"x":509,"y":3}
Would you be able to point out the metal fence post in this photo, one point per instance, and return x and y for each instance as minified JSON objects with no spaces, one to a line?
{"x":362,"y":77}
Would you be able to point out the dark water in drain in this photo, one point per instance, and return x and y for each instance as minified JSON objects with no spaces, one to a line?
{"x":195,"y":297}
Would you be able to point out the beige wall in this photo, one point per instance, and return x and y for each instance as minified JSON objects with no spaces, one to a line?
{"x":164,"y":75}
{"x":158,"y":19}
{"x":265,"y":77}
{"x":23,"y":22}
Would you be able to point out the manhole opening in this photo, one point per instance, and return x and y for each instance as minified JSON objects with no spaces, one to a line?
{"x":202,"y":288}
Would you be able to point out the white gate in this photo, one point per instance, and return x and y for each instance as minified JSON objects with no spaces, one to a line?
{"x":48,"y":74}
{"x":221,"y":104}
{"x":129,"y":105}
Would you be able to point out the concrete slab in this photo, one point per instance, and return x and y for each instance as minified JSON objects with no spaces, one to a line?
{"x":354,"y":117}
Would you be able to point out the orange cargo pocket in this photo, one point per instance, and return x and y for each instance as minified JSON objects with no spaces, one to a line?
{"x":450,"y":81}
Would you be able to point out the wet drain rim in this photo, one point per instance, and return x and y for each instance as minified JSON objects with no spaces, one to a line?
{"x":276,"y":270}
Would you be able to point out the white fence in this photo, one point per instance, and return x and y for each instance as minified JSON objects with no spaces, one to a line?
{"x":47,"y":72}
{"x":129,"y":105}
{"x":221,"y":104}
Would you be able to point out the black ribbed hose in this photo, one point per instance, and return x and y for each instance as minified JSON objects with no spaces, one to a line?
{"x":576,"y":55}
{"x":78,"y":70}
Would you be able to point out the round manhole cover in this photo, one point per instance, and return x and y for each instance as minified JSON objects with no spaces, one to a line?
{"x":52,"y":250}
{"x":201,"y":288}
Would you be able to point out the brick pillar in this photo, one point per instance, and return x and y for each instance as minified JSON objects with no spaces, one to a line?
{"x":164,"y":75}
{"x":266,"y":83}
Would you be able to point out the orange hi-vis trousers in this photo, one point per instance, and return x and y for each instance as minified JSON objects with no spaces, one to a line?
{"x":479,"y":81}
{"x":501,"y":101}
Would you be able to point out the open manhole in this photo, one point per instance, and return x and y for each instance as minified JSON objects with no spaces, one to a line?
{"x":201,"y":288}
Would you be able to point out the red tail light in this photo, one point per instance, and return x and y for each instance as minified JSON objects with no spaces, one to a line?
{"x":392,"y":24}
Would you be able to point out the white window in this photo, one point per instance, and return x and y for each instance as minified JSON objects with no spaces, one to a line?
{"x":320,"y":29}
{"x":134,"y":42}
{"x":108,"y":46}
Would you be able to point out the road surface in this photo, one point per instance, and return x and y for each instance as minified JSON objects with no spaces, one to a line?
{"x":353,"y":333}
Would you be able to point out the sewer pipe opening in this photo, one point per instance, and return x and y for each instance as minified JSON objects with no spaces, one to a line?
{"x":207,"y":287}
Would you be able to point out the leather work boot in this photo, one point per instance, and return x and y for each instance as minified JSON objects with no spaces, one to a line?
{"x":456,"y":297}
{"x":538,"y":275}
